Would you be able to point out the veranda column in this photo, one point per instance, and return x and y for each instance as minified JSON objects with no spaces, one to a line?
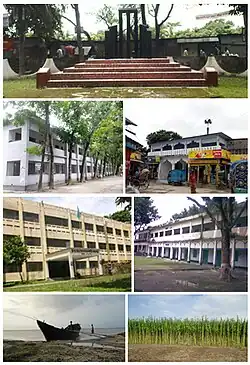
{"x":148,"y":251}
{"x":43,"y":240}
{"x":214,"y":254}
{"x":162,"y":251}
{"x":171,"y":253}
{"x":157,"y":251}
{"x":71,"y":266}
{"x":200,"y":254}
{"x":189,"y":252}
{"x":179,"y":253}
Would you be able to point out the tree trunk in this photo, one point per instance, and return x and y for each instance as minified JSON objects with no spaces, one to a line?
{"x":143,"y":14}
{"x":21,"y":277}
{"x":69,"y":164}
{"x":225,"y":270}
{"x":84,"y":160}
{"x":95,"y":166}
{"x":40,"y":182}
{"x":51,"y":169}
{"x":104,"y":167}
{"x":21,"y":18}
{"x":78,"y":32}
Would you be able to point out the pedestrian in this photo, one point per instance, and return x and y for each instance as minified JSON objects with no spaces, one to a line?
{"x":92,"y":329}
{"x":202,"y":53}
{"x":59,"y":53}
{"x":227,"y":52}
{"x":185,"y":53}
{"x":192,"y":181}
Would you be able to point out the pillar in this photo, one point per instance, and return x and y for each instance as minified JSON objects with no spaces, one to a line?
{"x":71,"y":266}
{"x":214,"y":254}
{"x":148,"y":251}
{"x":200,"y":254}
{"x":71,"y":235}
{"x":43,"y":240}
{"x":157,"y":251}
{"x":22,"y":235}
{"x":179,"y":253}
{"x":173,"y":165}
{"x":87,"y":266}
{"x":100,"y":268}
{"x":233,"y":254}
{"x":171,"y":253}
{"x":84,"y":238}
{"x":162,"y":251}
{"x":189,"y":252}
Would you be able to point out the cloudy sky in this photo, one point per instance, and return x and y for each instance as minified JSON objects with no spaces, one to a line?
{"x":185,"y":14}
{"x":187,"y":116}
{"x":170,"y":204}
{"x":188,"y":306}
{"x":104,"y":311}
{"x":93,"y":205}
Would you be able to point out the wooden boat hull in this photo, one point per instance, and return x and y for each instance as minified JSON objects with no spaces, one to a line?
{"x":52,"y":333}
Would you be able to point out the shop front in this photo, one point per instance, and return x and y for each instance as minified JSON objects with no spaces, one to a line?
{"x":211,"y":166}
{"x":153,"y":165}
{"x":133,"y":162}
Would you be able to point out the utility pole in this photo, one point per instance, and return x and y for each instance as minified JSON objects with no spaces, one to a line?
{"x":207,"y":122}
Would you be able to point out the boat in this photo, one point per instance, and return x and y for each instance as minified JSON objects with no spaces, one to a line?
{"x":52,"y":333}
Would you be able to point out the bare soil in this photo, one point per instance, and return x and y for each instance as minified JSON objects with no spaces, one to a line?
{"x":166,"y":353}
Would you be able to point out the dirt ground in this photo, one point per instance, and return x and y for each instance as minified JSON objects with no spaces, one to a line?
{"x":21,"y":351}
{"x":167,"y":276}
{"x":166,"y":353}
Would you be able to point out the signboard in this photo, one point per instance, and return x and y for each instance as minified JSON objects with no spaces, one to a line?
{"x":209,"y":154}
{"x":135,"y":156}
{"x":235,"y":158}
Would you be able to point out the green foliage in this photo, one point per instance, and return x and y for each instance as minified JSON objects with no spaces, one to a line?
{"x":124,"y":200}
{"x":40,"y":20}
{"x":15,"y":251}
{"x":162,"y":136}
{"x":121,"y":216}
{"x":193,"y":332}
{"x":108,"y":15}
{"x":35,"y":150}
{"x":144,"y":212}
{"x":187,"y":212}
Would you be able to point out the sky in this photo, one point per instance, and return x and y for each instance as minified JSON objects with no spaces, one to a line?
{"x":104,"y":311}
{"x":93,"y":205}
{"x":185,"y":14}
{"x":168,"y":205}
{"x":188,"y":306}
{"x":187,"y":116}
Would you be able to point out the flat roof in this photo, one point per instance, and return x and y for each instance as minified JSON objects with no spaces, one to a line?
{"x":220,"y":134}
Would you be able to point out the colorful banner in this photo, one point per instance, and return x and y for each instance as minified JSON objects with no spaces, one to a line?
{"x":135,"y":156}
{"x":209,"y":154}
{"x":235,"y":158}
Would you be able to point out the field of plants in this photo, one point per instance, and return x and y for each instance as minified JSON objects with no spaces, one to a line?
{"x":194,"y":332}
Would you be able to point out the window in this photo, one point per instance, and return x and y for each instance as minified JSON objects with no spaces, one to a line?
{"x":91,"y":244}
{"x":196,"y":228}
{"x":59,"y":168}
{"x":128,"y":248}
{"x":15,"y":135}
{"x":109,"y":230}
{"x":209,"y":226}
{"x":73,"y":169}
{"x":57,"y":243}
{"x":126,"y":234}
{"x":100,"y":228}
{"x":168,"y":233}
{"x":118,"y":232}
{"x":185,"y":230}
{"x":81,"y":265}
{"x":112,"y":247}
{"x":195,"y":253}
{"x":193,"y":144}
{"x":30,"y":217}
{"x":120,"y":248}
{"x":76,"y":224}
{"x":102,"y":246}
{"x":78,"y":244}
{"x":13,"y":168}
{"x":54,"y":221}
{"x":151,"y":235}
{"x":89,"y":227}
{"x":156,"y":150}
{"x":10,"y":214}
{"x":34,"y":167}
{"x":93,"y":264}
{"x":177,"y":231}
{"x":12,"y":268}
{"x":161,"y":234}
{"x":80,"y":151}
{"x":209,"y":144}
{"x":156,"y":234}
{"x":88,"y":169}
{"x":34,"y":266}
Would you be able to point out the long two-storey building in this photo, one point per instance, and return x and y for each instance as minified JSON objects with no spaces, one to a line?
{"x":21,"y":168}
{"x":184,"y":240}
{"x":61,"y":242}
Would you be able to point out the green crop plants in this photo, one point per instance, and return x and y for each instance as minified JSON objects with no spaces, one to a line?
{"x":197,"y":332}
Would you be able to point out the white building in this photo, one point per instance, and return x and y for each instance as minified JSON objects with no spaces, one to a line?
{"x":182,"y":240}
{"x":21,"y":169}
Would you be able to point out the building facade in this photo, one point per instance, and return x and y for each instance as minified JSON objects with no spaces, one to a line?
{"x":133,"y":146}
{"x":21,"y":168}
{"x":61,"y":243}
{"x":182,"y":240}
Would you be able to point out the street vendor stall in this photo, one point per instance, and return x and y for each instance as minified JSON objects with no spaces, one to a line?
{"x":211,"y":166}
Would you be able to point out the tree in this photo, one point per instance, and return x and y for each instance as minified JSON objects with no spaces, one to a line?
{"x":124,"y":200}
{"x":162,"y":136}
{"x":78,"y":30}
{"x":121,"y":216}
{"x":144,"y":213}
{"x":168,"y":30}
{"x":42,"y":21}
{"x":153,"y":10}
{"x":225,"y":213}
{"x":15,"y":252}
{"x":106,"y":15}
{"x":192,"y":210}
{"x":241,"y":9}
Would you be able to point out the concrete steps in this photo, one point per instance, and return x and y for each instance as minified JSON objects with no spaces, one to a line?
{"x":158,"y":72}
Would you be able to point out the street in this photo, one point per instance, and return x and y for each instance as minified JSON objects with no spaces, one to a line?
{"x":155,"y":187}
{"x":110,"y":184}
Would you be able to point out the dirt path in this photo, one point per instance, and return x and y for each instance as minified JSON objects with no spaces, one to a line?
{"x":165,"y":353}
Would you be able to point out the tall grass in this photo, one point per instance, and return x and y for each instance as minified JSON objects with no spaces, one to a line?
{"x":197,"y":332}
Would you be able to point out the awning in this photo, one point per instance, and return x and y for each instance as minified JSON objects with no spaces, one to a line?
{"x":77,"y":254}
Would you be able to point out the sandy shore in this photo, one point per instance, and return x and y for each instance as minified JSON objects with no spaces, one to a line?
{"x":110,"y":349}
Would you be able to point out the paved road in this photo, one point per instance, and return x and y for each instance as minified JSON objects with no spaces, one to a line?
{"x":155,"y":187}
{"x":111,"y":184}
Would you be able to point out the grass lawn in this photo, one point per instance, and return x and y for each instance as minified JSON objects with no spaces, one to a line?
{"x":229,"y":87}
{"x":114,"y":283}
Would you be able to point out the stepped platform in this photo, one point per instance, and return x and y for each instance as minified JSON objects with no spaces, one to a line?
{"x":137,"y":72}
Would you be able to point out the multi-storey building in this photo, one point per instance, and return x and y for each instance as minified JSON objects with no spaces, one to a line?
{"x":21,"y":168}
{"x":183,"y":240}
{"x":61,"y":243}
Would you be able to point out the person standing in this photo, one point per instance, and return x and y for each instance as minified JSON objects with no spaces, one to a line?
{"x":92,"y":329}
{"x":192,"y":181}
